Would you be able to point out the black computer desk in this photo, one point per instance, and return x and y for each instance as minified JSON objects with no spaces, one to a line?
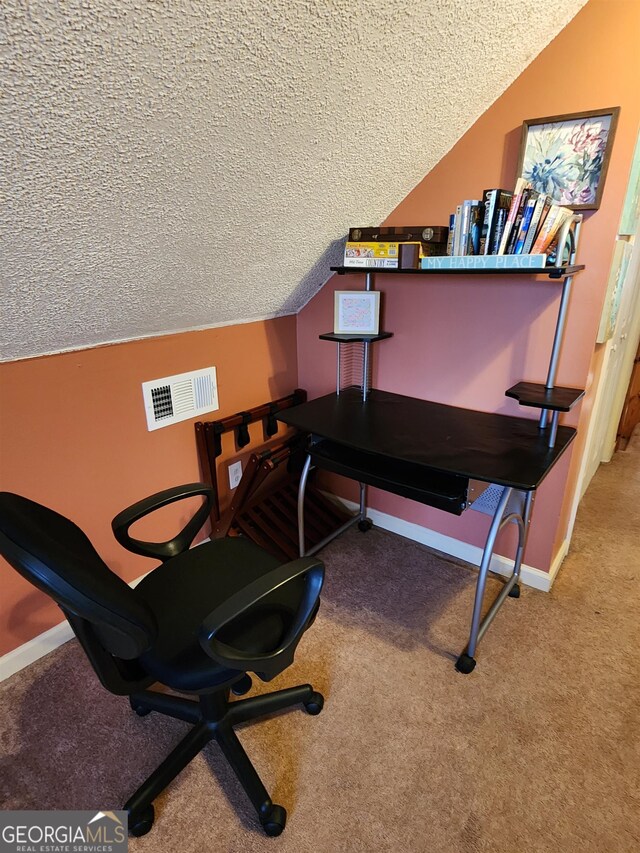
{"x":442,"y":456}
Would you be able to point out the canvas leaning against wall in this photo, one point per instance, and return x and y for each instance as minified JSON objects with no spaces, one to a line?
{"x":617,"y":273}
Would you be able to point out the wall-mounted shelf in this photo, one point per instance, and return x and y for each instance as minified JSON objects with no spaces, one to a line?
{"x":550,"y":272}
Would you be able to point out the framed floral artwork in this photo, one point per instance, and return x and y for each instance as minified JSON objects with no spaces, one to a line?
{"x":356,"y":312}
{"x":567,"y":156}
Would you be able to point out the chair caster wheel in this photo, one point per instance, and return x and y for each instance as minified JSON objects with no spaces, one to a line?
{"x":514,"y":592}
{"x":314,"y":704}
{"x":365,"y":524}
{"x":141,"y":822}
{"x":465,"y":663}
{"x":242,"y":686}
{"x":274,"y":821}
{"x":141,"y":710}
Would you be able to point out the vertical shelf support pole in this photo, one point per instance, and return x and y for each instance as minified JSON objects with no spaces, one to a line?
{"x":368,"y":285}
{"x":365,"y":371}
{"x":338,"y":369}
{"x":560,"y":324}
{"x":557,"y":342}
{"x":554,"y":429}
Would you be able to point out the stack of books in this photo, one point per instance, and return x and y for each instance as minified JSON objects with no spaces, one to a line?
{"x":394,"y":246}
{"x":373,"y":254}
{"x":512,"y":224}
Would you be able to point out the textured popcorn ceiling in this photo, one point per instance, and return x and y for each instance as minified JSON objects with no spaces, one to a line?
{"x":174,"y":164}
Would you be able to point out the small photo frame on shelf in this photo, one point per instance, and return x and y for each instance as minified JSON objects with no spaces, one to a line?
{"x":356,"y":312}
{"x":567,"y":156}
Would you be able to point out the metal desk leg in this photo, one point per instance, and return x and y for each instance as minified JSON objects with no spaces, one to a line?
{"x":466,"y":662}
{"x":514,"y":591}
{"x":358,"y":519}
{"x":364,"y":523}
{"x":301,"y":490}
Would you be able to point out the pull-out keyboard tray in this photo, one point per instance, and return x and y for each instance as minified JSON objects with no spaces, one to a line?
{"x":449,"y":492}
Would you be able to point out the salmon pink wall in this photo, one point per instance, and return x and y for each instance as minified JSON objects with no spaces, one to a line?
{"x":464,"y":340}
{"x":73,"y":436}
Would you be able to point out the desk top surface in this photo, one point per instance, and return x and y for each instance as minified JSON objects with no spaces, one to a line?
{"x":484,"y":446}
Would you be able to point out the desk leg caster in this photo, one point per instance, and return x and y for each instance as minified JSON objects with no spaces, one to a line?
{"x":465,"y":663}
{"x":514,"y":592}
{"x":365,"y":524}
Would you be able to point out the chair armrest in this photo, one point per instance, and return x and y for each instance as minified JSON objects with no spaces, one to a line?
{"x":270,"y":664}
{"x":163,"y":550}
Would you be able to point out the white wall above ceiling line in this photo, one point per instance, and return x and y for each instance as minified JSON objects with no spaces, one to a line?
{"x":174,"y":165}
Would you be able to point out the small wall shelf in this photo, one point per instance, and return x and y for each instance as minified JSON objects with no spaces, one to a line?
{"x":352,"y":338}
{"x":536,"y":394}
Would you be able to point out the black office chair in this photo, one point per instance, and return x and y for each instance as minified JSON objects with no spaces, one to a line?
{"x":197,"y":624}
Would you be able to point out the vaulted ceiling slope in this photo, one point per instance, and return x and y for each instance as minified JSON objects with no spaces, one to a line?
{"x":175,"y":164}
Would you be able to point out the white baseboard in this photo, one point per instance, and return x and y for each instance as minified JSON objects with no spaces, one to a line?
{"x":40,"y":646}
{"x":563,"y":550}
{"x":530,"y":576}
{"x":30,"y":651}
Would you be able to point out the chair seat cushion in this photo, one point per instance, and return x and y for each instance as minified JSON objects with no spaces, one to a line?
{"x":183,"y":591}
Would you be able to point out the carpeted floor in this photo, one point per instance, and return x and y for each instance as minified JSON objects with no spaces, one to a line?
{"x":537,"y":750}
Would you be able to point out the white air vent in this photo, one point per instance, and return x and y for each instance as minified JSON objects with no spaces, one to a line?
{"x":177,"y":398}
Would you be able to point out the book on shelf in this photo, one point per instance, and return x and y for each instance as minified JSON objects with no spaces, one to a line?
{"x":517,"y":222}
{"x":491,"y":200}
{"x":556,"y":250}
{"x":476,"y":218}
{"x":458,"y":228}
{"x":502,"y":214}
{"x":551,"y":225}
{"x":515,"y":225}
{"x":501,"y":201}
{"x":484,"y":262}
{"x":488,"y":198}
{"x":469,"y":227}
{"x":543,"y":203}
{"x":525,"y":222}
{"x":452,"y":231}
{"x":521,"y":186}
{"x":464,"y":227}
{"x":371,"y":254}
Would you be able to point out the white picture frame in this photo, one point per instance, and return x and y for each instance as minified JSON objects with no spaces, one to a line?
{"x":356,"y":312}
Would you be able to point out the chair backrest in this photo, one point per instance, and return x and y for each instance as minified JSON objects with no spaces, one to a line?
{"x":55,"y":555}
